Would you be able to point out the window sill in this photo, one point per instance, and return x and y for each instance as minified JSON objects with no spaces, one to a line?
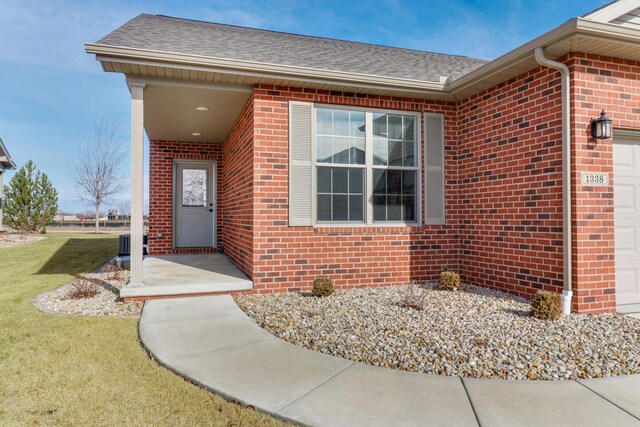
{"x":396,"y":228}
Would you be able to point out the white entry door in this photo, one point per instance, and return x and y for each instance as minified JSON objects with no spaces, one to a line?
{"x":195,"y":202}
{"x":626,"y":169}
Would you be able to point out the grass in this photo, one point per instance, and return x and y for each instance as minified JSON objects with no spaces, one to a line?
{"x":57,"y":370}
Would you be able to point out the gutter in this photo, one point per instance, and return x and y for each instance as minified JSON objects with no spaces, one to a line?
{"x":251,"y":68}
{"x":567,"y":291}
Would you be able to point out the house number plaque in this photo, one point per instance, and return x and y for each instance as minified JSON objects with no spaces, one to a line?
{"x":595,"y":179}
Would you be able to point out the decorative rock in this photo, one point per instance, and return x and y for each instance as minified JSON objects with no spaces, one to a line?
{"x":109,"y":279}
{"x":475,"y":332}
{"x":12,"y":240}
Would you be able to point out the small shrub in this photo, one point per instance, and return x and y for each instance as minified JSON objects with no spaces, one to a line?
{"x":322,"y":287}
{"x":546,"y":305}
{"x":449,"y":280}
{"x":414,"y":295}
{"x":83,"y":288}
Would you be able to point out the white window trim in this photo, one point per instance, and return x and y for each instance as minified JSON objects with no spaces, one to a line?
{"x":368,"y":190}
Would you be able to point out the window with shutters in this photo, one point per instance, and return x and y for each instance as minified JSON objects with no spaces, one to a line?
{"x":367,"y":166}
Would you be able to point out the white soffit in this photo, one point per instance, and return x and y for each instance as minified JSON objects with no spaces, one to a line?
{"x":170,"y":111}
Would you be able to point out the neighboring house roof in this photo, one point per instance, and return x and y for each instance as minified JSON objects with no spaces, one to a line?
{"x":5,"y":158}
{"x":625,"y":13}
{"x":184,"y":36}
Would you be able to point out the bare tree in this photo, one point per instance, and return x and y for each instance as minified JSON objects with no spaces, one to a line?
{"x":97,"y":169}
{"x":124,"y":209}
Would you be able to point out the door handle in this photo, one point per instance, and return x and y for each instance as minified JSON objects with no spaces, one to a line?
{"x":210,"y":210}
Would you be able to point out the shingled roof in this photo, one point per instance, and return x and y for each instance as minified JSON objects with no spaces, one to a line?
{"x":176,"y":35}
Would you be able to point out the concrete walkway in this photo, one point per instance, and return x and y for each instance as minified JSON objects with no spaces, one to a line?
{"x":210,"y":341}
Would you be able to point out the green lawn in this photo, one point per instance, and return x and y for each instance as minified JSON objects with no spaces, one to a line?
{"x":57,"y":370}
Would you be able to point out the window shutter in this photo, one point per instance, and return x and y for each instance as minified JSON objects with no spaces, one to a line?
{"x":434,"y":168}
{"x":300,"y":167}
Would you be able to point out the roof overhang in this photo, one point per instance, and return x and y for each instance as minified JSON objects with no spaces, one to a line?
{"x":141,"y":62}
{"x":5,"y":158}
{"x":577,"y":35}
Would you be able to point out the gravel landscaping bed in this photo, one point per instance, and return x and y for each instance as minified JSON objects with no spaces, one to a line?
{"x":11,"y":240}
{"x":107,"y":281}
{"x":475,"y":332}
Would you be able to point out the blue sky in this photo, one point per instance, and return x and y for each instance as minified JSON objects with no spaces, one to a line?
{"x":52,"y":93}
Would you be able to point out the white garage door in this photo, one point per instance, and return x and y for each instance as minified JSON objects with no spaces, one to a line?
{"x":626,"y":167}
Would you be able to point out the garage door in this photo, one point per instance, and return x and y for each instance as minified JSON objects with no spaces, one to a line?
{"x":626,"y":167}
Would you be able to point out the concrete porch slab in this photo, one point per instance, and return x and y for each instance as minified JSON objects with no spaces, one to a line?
{"x":187,"y":274}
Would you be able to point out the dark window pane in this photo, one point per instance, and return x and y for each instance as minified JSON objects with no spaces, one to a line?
{"x":394,"y":182}
{"x":323,"y":121}
{"x":409,"y":208}
{"x":357,"y":124}
{"x":324,"y":180}
{"x":408,"y":182}
{"x":356,"y":210}
{"x":409,"y":154}
{"x":409,"y":128}
{"x":394,"y":208}
{"x":324,"y":208}
{"x":395,"y":153}
{"x":340,"y":208}
{"x":379,"y":181}
{"x":380,"y":125}
{"x":355,"y":181}
{"x":341,"y":122}
{"x":379,"y":208}
{"x":395,"y":127}
{"x":340,"y":180}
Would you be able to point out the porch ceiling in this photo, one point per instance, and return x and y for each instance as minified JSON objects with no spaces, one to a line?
{"x":170,"y":110}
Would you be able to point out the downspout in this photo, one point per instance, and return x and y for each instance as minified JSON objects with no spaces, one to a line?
{"x":567,"y":292}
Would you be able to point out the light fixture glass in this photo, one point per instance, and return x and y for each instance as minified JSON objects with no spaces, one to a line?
{"x":202,"y":108}
{"x":601,"y":127}
{"x":196,"y":134}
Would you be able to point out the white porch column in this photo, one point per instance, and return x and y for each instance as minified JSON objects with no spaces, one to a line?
{"x":137,"y":182}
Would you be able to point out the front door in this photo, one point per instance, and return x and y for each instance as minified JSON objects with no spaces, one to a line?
{"x":626,"y":195}
{"x":195,"y":204}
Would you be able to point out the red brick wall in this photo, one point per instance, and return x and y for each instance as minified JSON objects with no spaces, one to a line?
{"x":237,"y":191}
{"x":503,"y":182}
{"x":161,"y":156}
{"x":510,"y":181}
{"x":614,"y":85}
{"x":289,"y":258}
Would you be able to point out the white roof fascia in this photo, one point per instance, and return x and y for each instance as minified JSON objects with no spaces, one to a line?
{"x":259,"y":69}
{"x":519,"y":54}
{"x":576,"y":26}
{"x":5,"y":157}
{"x":448,"y":88}
{"x":613,"y":11}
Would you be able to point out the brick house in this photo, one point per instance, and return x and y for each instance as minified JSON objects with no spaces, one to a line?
{"x":300,"y":156}
{"x":6,"y":163}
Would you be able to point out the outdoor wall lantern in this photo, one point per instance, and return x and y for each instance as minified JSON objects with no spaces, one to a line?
{"x":601,"y":128}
